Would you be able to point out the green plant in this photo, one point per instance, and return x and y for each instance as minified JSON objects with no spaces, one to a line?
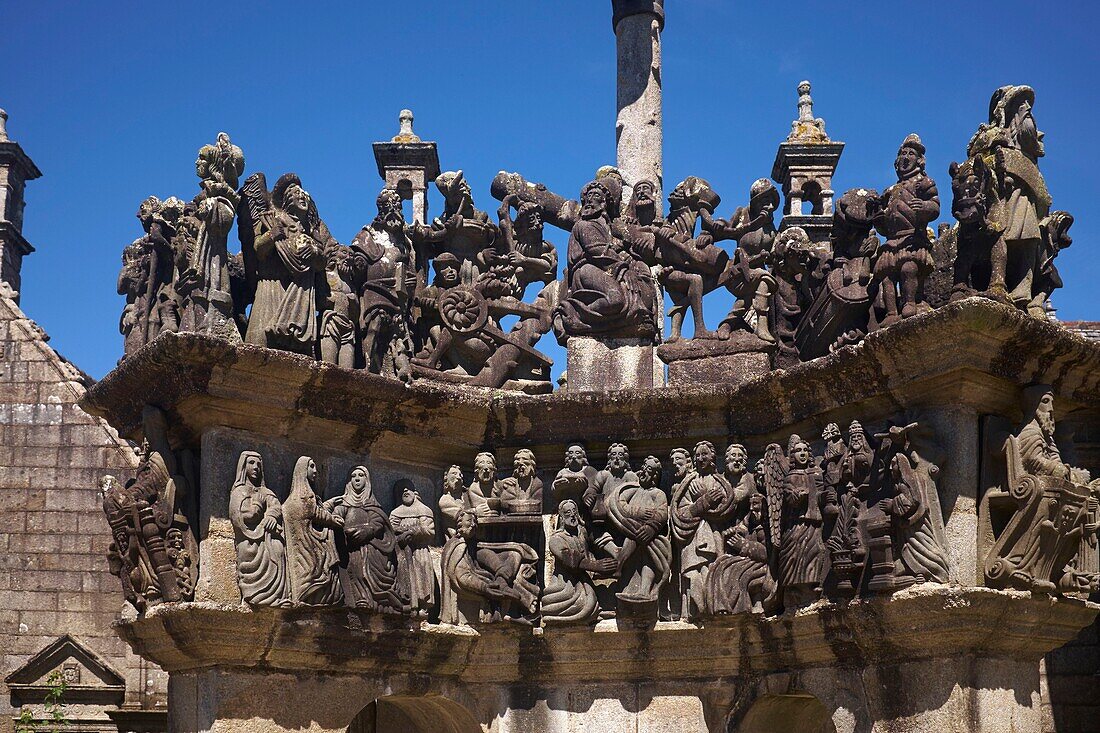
{"x":53,"y":709}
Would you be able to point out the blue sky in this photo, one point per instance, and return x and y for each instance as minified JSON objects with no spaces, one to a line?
{"x":112,"y":101}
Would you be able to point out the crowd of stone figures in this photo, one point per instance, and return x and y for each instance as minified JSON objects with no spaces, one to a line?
{"x":408,"y":300}
{"x":708,"y":538}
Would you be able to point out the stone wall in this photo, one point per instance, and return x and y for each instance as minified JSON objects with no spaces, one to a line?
{"x":53,"y":536}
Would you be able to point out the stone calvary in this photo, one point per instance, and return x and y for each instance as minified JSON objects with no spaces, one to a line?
{"x":856,"y":506}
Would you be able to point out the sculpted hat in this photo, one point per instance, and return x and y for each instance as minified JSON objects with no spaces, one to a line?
{"x":1007,"y":97}
{"x":912,"y":140}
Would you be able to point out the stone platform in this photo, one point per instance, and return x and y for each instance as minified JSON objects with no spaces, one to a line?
{"x":732,"y":361}
{"x":958,"y":658}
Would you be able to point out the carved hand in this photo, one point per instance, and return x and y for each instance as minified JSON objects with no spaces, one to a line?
{"x":270,"y":525}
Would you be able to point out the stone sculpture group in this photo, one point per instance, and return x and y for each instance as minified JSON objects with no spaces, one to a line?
{"x":413,"y":300}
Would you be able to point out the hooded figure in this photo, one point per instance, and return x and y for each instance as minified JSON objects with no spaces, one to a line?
{"x":369,"y":546}
{"x":414,"y":526}
{"x":310,"y":546}
{"x":257,"y":518}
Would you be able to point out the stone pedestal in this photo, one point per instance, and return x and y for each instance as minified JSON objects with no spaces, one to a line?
{"x":731,"y":361}
{"x":602,"y":365}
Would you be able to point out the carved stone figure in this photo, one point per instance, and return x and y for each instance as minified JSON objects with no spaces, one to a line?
{"x":521,"y":253}
{"x":1011,"y":146}
{"x":746,"y":276}
{"x":704,"y":507}
{"x":521,"y":493}
{"x":608,"y":289}
{"x":369,"y":547}
{"x":1037,"y":547}
{"x":842,"y":311}
{"x":1056,"y":237}
{"x":847,"y":473}
{"x":637,"y":518}
{"x":615,"y":474}
{"x":285,"y":246}
{"x":462,"y":231}
{"x":257,"y":518}
{"x":141,"y":513}
{"x":483,"y":487}
{"x":339,"y":305}
{"x":487,"y":581}
{"x":740,"y":580}
{"x":570,"y":596}
{"x":913,"y":505}
{"x":905,"y":210}
{"x":981,"y":253}
{"x":414,"y":526}
{"x":795,"y":502}
{"x":575,"y":478}
{"x":312,"y":558}
{"x":390,"y":283}
{"x":148,"y":276}
{"x":450,"y":500}
{"x":792,"y":263}
{"x":691,"y":266}
{"x":219,"y":167}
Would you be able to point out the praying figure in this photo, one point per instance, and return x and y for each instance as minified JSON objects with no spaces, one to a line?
{"x":369,"y":546}
{"x":312,"y":559}
{"x":257,"y":519}
{"x":414,"y":526}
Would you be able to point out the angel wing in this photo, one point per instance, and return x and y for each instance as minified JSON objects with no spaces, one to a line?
{"x":773,"y":474}
{"x":255,"y":202}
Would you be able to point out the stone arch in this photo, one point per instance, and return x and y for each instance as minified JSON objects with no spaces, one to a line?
{"x":414,"y":714}
{"x":796,"y":712}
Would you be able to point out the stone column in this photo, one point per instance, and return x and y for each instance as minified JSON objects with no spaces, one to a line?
{"x":638,"y":129}
{"x":408,"y":165}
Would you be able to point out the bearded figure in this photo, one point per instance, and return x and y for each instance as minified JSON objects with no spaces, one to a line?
{"x":609,"y":291}
{"x":1039,"y":549}
{"x":385,"y":320}
{"x":1011,"y":144}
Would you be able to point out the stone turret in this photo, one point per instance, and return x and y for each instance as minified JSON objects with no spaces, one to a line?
{"x":408,"y":164}
{"x":804,"y":167}
{"x":16,"y":168}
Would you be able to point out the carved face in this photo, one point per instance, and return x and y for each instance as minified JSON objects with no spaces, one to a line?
{"x":390,"y":215}
{"x":528,"y":219}
{"x":296,"y":200}
{"x":467,"y":525}
{"x":311,"y":472}
{"x":485,"y":467}
{"x":736,"y":460}
{"x":448,"y":275}
{"x":408,"y":496}
{"x":452,"y":480}
{"x":644,"y":194}
{"x":650,"y":472}
{"x":1044,"y":413}
{"x":569,"y":515}
{"x":800,"y":455}
{"x":618,"y":459}
{"x":756,"y":506}
{"x":907,"y":162}
{"x":358,"y":479}
{"x":253,"y":468}
{"x":857,"y":442}
{"x":681,"y":463}
{"x":576,"y":457}
{"x":1027,"y":134}
{"x":523,"y":465}
{"x":969,"y":199}
{"x":703,"y":457}
{"x":593,"y":202}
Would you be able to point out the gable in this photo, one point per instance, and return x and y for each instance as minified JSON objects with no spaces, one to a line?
{"x":89,"y":678}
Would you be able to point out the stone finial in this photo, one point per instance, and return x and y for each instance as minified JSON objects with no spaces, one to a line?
{"x":405,"y":134}
{"x":807,"y":128}
{"x":3,"y":126}
{"x":805,"y":102}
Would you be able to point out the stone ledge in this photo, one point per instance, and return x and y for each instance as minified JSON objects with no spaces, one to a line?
{"x":924,"y":622}
{"x":974,"y":352}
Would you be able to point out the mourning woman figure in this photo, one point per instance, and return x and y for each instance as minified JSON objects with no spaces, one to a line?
{"x":369,"y":545}
{"x":310,"y":546}
{"x":257,"y":518}
{"x":414,"y":525}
